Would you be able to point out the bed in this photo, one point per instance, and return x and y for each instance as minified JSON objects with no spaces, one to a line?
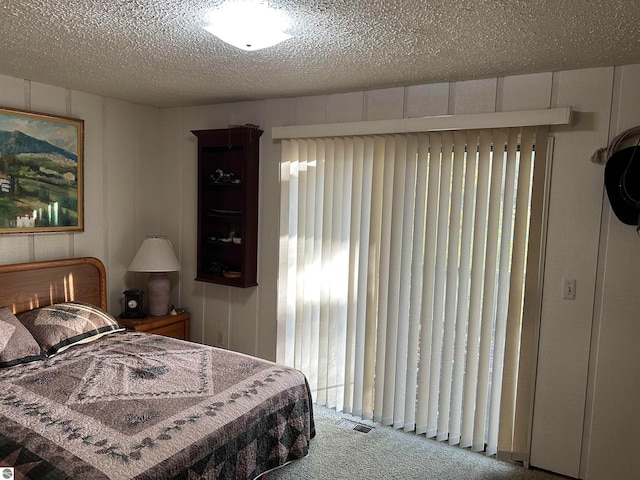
{"x":92,"y":401}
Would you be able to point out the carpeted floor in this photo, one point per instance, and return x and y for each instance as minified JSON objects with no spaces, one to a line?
{"x":385,"y":453}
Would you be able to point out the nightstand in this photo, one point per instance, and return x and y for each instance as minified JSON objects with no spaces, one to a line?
{"x":176,"y":326}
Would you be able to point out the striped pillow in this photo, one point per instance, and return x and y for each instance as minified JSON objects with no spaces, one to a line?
{"x":62,"y":325}
{"x":16,"y":343}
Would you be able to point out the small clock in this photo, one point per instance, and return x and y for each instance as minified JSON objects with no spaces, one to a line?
{"x":133,"y":304}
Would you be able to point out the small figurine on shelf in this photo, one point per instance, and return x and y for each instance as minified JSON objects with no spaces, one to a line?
{"x":221,"y":234}
{"x":236,"y":236}
{"x":219,"y":176}
{"x":216,"y":268}
{"x":215,"y":176}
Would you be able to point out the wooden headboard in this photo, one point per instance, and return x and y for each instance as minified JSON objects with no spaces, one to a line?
{"x":24,"y":286}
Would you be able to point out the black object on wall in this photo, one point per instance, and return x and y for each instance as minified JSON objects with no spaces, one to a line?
{"x":622,"y":181}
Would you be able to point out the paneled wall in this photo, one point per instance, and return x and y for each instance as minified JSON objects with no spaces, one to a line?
{"x":123,"y":181}
{"x":140,"y":179}
{"x":245,"y":320}
{"x":612,"y":422}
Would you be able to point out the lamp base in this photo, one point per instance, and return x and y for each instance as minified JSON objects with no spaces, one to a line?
{"x":158,"y":289}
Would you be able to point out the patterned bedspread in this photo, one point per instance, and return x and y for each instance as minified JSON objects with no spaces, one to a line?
{"x":133,"y":405}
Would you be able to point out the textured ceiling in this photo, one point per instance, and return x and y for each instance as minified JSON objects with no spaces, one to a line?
{"x":155,"y":52}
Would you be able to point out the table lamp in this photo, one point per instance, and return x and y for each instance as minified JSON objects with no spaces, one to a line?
{"x":157,"y":257}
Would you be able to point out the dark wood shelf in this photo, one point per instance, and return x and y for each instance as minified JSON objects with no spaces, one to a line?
{"x":232,"y":282}
{"x":223,"y":214}
{"x":226,"y":207}
{"x":211,"y":184}
{"x":220,"y":243}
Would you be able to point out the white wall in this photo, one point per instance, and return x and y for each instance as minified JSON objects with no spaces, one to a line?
{"x":246,"y":320}
{"x":613,"y":421}
{"x":122,"y":173}
{"x":140,"y":177}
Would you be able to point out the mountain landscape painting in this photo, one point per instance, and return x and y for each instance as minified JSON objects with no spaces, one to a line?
{"x":40,"y":172}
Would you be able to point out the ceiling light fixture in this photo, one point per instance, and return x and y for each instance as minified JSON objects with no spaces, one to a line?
{"x":248,"y":24}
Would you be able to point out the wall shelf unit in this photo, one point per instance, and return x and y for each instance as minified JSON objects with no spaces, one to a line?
{"x":228,"y":170}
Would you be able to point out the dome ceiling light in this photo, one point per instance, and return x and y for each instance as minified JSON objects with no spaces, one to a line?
{"x":248,"y":24}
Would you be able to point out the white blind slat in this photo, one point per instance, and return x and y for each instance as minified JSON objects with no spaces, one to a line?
{"x":489,"y":294}
{"x":532,"y":295}
{"x":354,"y":155}
{"x":395,"y":266}
{"x":451,"y":294}
{"x":478,"y":287}
{"x":409,"y":148}
{"x":284,"y":295}
{"x":343,"y":271}
{"x":325,"y":273}
{"x":462,"y":308}
{"x":511,"y":155}
{"x":426,"y":314}
{"x":440,"y":282}
{"x":467,"y":437}
{"x":415,"y":300}
{"x":384,"y":277}
{"x":305,"y":217}
{"x":363,"y":171}
{"x":373,"y":273}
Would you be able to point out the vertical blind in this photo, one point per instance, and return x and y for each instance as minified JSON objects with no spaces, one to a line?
{"x":403,"y":272}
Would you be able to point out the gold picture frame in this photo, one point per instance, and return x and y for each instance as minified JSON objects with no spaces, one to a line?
{"x":41,"y":172}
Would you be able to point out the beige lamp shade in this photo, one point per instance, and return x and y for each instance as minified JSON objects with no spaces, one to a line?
{"x":157,"y":257}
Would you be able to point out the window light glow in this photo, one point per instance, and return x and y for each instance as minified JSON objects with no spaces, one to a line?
{"x":248,"y":24}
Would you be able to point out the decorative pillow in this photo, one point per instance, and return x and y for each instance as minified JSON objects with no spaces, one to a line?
{"x":16,"y":343}
{"x":62,"y":325}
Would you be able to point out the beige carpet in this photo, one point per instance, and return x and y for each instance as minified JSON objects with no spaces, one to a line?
{"x":385,"y":453}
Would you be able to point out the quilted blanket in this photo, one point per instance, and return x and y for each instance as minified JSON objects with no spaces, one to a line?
{"x":133,"y":405}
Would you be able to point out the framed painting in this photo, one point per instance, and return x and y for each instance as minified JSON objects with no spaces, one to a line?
{"x":41,"y":173}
